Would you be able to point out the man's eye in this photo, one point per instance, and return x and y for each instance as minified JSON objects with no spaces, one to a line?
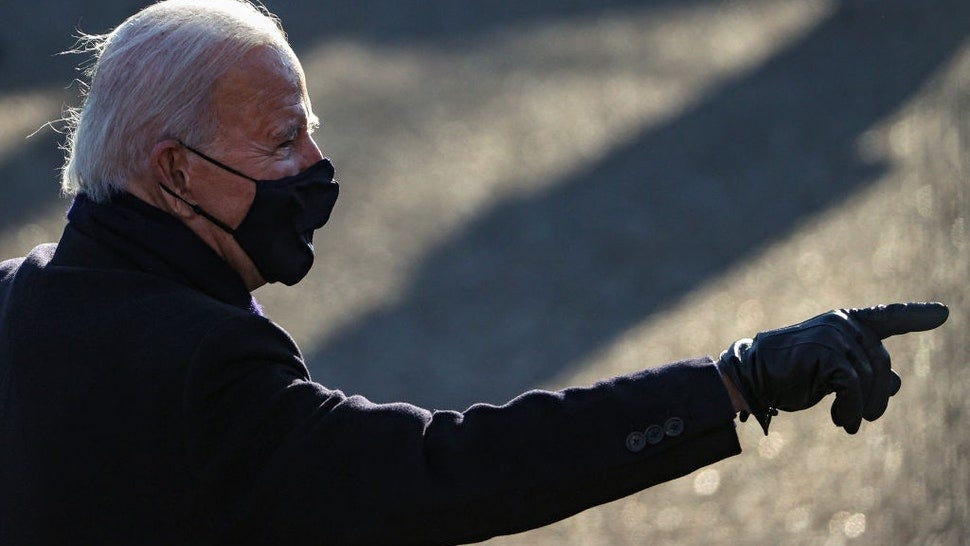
{"x":287,"y":144}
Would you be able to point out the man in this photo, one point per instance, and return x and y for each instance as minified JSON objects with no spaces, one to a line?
{"x":144,"y":399}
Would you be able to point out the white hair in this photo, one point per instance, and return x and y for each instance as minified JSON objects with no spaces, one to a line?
{"x":151,"y":79}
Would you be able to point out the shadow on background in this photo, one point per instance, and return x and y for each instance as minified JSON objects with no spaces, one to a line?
{"x":537,"y":283}
{"x":30,"y":183}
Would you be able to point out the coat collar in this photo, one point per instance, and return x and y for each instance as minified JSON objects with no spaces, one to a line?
{"x":142,"y":237}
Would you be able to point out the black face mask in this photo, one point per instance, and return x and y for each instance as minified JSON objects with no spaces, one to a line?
{"x":277,"y":232}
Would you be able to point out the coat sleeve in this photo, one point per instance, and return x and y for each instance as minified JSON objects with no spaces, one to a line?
{"x":281,"y":459}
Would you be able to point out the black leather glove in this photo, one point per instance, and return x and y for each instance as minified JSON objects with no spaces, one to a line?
{"x":840,"y":351}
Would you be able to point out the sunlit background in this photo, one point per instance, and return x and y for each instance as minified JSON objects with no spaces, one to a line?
{"x":545,"y":193}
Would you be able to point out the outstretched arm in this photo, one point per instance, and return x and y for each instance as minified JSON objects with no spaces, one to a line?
{"x":285,"y":459}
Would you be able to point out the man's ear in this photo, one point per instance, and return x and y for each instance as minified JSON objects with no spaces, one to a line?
{"x":169,"y":166}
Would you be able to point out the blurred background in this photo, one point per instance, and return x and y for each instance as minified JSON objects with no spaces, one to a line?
{"x":545,"y":193}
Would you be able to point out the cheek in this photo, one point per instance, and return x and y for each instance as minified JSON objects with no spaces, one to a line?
{"x":239,"y":202}
{"x":287,"y":165}
{"x":282,"y":168}
{"x":229,"y":200}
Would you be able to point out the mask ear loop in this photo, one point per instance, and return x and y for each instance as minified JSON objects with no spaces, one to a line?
{"x":216,"y":163}
{"x":199,"y":210}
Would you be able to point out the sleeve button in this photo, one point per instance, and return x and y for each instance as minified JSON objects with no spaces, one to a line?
{"x":636,"y":441}
{"x":654,"y":434}
{"x":674,"y":426}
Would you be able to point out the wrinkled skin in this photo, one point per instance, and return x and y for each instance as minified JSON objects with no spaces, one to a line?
{"x":264,"y":126}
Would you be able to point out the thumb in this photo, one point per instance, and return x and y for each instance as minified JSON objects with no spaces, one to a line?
{"x":900,"y":318}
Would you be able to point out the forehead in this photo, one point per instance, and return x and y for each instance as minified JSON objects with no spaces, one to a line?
{"x":258,"y":93}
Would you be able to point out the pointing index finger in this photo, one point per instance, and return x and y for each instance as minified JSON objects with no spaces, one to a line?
{"x":900,"y":318}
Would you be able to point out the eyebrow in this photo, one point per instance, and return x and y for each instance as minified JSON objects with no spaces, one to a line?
{"x":291,"y":129}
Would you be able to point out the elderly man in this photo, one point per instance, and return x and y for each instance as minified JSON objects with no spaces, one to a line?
{"x":144,"y":399}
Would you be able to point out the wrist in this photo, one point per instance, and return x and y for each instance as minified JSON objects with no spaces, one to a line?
{"x":737,"y":400}
{"x":736,"y":366}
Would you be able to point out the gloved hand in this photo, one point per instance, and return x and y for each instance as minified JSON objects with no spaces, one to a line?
{"x":840,"y":351}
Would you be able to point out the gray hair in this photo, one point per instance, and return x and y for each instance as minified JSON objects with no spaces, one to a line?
{"x":151,"y":78}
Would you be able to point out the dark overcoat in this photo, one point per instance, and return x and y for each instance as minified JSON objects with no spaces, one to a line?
{"x":144,"y":399}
